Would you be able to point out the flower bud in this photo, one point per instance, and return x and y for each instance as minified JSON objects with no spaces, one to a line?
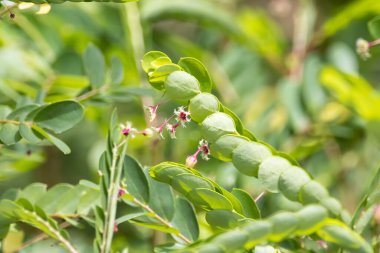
{"x":191,"y":161}
{"x":121,"y":192}
{"x":148,"y":132}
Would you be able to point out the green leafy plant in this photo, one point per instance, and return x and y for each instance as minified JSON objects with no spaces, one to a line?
{"x":182,"y":154}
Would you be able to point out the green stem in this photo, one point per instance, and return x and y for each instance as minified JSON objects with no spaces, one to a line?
{"x":112,"y":196}
{"x":56,"y":233}
{"x":92,"y":93}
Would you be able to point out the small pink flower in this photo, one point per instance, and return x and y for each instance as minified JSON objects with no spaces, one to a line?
{"x":152,"y":112}
{"x":171,"y":129}
{"x":322,"y":244}
{"x":205,"y":150}
{"x":182,"y":116}
{"x":191,"y":160}
{"x":127,"y":130}
{"x":160,"y":130}
{"x":115,"y":228}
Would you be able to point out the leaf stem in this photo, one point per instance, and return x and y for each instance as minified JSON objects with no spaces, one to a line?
{"x":158,"y":217}
{"x":92,"y":93}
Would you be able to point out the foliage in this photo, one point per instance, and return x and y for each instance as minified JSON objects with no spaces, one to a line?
{"x":286,"y":127}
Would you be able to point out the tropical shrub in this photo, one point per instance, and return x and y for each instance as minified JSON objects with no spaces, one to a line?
{"x":181,"y":153}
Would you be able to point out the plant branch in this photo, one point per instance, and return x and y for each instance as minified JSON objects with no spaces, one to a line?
{"x":302,"y":26}
{"x":39,"y":237}
{"x":135,"y":34}
{"x":112,"y":196}
{"x":92,"y":93}
{"x":63,"y":216}
{"x":14,"y":122}
{"x":158,"y":217}
{"x":57,"y":235}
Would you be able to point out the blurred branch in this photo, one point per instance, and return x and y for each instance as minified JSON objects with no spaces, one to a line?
{"x":136,"y":37}
{"x":92,"y":93}
{"x":303,"y":26}
{"x":39,"y":237}
{"x":15,"y":122}
{"x":64,"y":216}
{"x":35,"y":34}
{"x":7,"y":9}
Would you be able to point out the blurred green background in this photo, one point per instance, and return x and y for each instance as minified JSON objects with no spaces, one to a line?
{"x":288,"y":68}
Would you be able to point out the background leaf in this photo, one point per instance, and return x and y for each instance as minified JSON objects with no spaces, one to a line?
{"x":59,"y":116}
{"x":185,"y":219}
{"x":95,"y":66}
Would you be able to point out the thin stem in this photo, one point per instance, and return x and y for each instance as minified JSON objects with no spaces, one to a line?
{"x":64,"y":216}
{"x":9,"y":121}
{"x":159,"y":218}
{"x":38,"y":238}
{"x":300,"y":40}
{"x":112,"y":196}
{"x":259,"y":197}
{"x":14,"y":122}
{"x":34,"y":240}
{"x":374,"y":43}
{"x":92,"y":93}
{"x":56,"y":233}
